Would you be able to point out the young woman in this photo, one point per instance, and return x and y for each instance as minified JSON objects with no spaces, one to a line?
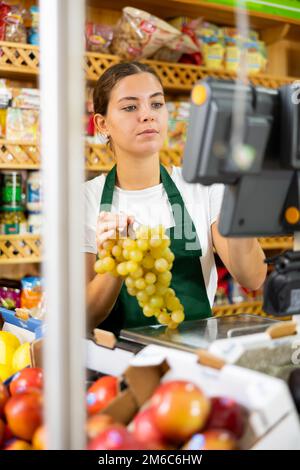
{"x":130,"y":111}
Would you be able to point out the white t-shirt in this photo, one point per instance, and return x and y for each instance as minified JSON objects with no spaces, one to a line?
{"x":151,"y":207}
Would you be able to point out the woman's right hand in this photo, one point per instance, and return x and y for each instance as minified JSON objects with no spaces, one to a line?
{"x":109,"y":224}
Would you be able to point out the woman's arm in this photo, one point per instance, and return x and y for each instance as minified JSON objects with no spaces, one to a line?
{"x":102,"y":291}
{"x":243,"y":257}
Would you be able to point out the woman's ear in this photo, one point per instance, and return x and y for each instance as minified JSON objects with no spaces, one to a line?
{"x":100,"y":124}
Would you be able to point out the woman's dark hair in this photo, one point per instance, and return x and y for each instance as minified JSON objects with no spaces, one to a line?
{"x":111,"y":77}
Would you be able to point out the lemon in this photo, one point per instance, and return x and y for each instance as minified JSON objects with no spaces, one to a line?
{"x":5,"y":371}
{"x":8,"y":344}
{"x":21,"y":357}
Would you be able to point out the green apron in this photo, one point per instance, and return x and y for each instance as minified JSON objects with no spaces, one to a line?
{"x":187,"y":277}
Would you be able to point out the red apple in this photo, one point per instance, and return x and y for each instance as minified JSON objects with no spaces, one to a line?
{"x":8,"y":435}
{"x":180,"y":409}
{"x":146,"y":431}
{"x":39,"y":439}
{"x":101,"y":393}
{"x":115,"y":437}
{"x":4,"y":396}
{"x":96,"y":424}
{"x":28,"y":379}
{"x":24,"y":414}
{"x":18,"y":444}
{"x":2,"y":432}
{"x":214,"y":439}
{"x":227,"y":414}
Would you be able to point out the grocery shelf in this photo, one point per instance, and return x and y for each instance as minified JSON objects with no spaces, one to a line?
{"x":19,"y":155}
{"x":23,"y":60}
{"x":24,"y":248}
{"x":251,"y":308}
{"x":276,"y":243}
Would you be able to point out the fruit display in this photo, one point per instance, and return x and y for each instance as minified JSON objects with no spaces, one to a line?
{"x":145,"y":264}
{"x":101,"y":393}
{"x":178,"y":415}
{"x":9,"y":344}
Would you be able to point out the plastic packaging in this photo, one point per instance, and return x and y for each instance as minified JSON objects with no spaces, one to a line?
{"x":98,"y":37}
{"x":33,"y":36}
{"x":31,"y":295}
{"x":139,"y":34}
{"x":23,"y":125}
{"x":12,"y":221}
{"x":15,"y":30}
{"x":34,"y":192}
{"x":11,"y":188}
{"x":10,"y":294}
{"x":177,"y":126}
{"x":34,"y":223}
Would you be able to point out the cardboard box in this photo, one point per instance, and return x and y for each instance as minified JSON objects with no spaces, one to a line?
{"x":273,"y":420}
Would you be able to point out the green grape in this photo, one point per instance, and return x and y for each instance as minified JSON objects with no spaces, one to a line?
{"x":114,"y":272}
{"x":156,"y":301}
{"x":99,"y":267}
{"x":163,"y":318}
{"x":103,"y":254}
{"x":164,"y":278}
{"x":155,"y":253}
{"x":160,"y":289}
{"x":142,"y":297}
{"x":165,"y":242}
{"x":120,"y":242}
{"x":129,"y":282}
{"x":148,"y":262}
{"x":126,"y":254}
{"x":136,"y":255}
{"x":138,"y":272}
{"x":148,"y":311}
{"x":158,"y":231}
{"x":132,"y":291}
{"x":108,"y":263}
{"x":108,"y":245}
{"x":150,"y":278}
{"x":140,"y":284}
{"x":117,"y":252}
{"x":161,"y":265}
{"x":142,"y":245}
{"x":132,"y":266}
{"x":177,"y":316}
{"x":155,"y":242}
{"x":150,"y":289}
{"x":122,"y":269}
{"x":143,"y":232}
{"x":129,"y":244}
{"x":168,"y":255}
{"x":173,"y":304}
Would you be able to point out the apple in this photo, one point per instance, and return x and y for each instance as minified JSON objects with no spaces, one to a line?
{"x":28,"y":379}
{"x":24,"y":414}
{"x":145,"y":430}
{"x":2,"y":432}
{"x":39,"y":439}
{"x":17,"y":444}
{"x":8,"y":435}
{"x":227,"y":414}
{"x":97,"y":423}
{"x":4,"y":396}
{"x":115,"y":437}
{"x":214,"y":439}
{"x":101,"y":393}
{"x":180,"y":409}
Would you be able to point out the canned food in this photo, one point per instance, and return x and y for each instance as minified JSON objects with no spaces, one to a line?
{"x":11,"y":188}
{"x":12,"y":220}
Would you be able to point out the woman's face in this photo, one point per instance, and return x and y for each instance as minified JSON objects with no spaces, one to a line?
{"x":137,"y":116}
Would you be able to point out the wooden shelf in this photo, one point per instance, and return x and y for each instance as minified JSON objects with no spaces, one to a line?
{"x":211,"y":11}
{"x":251,"y":308}
{"x":276,"y":243}
{"x":24,"y":248}
{"x":22,"y":60}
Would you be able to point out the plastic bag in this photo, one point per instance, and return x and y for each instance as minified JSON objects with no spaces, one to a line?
{"x":182,"y":44}
{"x":10,"y":294}
{"x":177,"y":126}
{"x":98,"y":37}
{"x":139,"y":34}
{"x":31,"y":295}
{"x":15,"y":30}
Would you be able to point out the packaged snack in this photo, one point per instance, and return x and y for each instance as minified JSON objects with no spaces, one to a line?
{"x":212,"y":45}
{"x":34,"y":223}
{"x":139,"y":34}
{"x":23,"y":125}
{"x":98,"y":37}
{"x":182,"y":44}
{"x":177,"y":126}
{"x":4,"y":10}
{"x":26,"y":98}
{"x":31,"y":295}
{"x":10,"y":294}
{"x":34,"y":191}
{"x":5,"y":100}
{"x":256,"y":57}
{"x":12,"y":220}
{"x":15,"y":30}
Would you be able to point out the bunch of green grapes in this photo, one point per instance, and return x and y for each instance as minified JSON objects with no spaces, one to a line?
{"x":145,"y":263}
